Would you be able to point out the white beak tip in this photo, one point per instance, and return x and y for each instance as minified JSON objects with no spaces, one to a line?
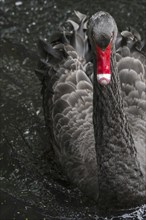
{"x":104,"y":79}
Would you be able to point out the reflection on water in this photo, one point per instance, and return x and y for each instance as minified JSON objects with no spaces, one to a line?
{"x":31,"y":186}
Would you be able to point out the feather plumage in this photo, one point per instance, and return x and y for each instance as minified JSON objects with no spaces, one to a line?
{"x":69,"y":108}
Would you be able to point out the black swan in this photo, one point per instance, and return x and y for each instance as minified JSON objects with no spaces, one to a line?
{"x":94,"y":100}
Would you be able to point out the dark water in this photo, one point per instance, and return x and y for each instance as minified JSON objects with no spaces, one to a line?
{"x":30,"y":184}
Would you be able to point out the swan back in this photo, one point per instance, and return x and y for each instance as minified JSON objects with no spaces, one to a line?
{"x":131,"y":63}
{"x":68,"y":104}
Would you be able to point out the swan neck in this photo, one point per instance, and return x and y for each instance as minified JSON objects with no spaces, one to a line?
{"x":116,"y":154}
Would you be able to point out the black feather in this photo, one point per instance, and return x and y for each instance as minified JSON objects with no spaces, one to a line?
{"x":60,"y":106}
{"x":46,"y":50}
{"x":40,"y":74}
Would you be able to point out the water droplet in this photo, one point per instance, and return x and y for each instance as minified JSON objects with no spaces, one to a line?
{"x":26,"y":132}
{"x":18,"y":3}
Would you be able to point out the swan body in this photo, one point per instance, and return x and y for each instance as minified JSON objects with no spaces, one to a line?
{"x":97,"y":128}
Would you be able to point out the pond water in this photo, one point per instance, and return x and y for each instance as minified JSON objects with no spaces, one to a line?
{"x":30,"y":183}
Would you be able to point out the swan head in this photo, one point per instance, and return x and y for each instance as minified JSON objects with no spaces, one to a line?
{"x":102,"y":31}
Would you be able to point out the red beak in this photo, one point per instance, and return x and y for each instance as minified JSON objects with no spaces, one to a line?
{"x":103,"y":65}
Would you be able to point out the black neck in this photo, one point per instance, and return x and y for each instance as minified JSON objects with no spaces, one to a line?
{"x":116,"y":154}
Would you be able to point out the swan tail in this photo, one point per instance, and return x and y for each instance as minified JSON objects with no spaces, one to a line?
{"x":79,"y":38}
